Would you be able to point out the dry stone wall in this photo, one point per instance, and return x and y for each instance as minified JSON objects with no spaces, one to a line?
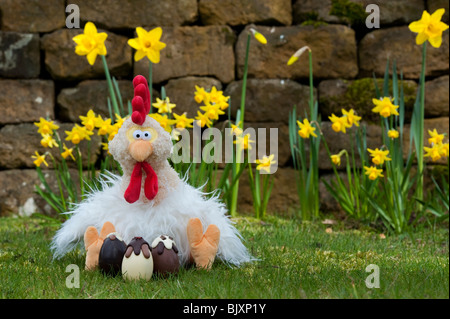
{"x":40,"y":75}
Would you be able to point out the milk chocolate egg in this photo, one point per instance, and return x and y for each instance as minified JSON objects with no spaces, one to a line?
{"x":111,"y":254}
{"x":137,"y":263}
{"x":165,"y":256}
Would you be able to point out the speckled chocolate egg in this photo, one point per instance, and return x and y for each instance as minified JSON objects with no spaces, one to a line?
{"x":111,"y":254}
{"x":165,"y":256}
{"x":137,"y":263}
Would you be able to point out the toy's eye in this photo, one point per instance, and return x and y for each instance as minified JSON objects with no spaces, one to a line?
{"x":146,"y":136}
{"x":137,"y":134}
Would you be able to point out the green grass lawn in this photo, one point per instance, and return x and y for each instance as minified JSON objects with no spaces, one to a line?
{"x":296,"y":260}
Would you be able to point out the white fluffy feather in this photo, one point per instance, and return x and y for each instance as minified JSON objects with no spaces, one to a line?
{"x":169,"y":217}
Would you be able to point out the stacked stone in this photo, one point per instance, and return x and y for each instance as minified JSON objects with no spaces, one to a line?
{"x":41,"y":76}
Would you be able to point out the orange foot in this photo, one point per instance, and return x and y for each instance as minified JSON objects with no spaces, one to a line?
{"x":203,"y":246}
{"x":93,"y":243}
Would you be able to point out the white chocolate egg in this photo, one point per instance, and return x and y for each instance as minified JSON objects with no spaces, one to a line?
{"x":137,"y":262}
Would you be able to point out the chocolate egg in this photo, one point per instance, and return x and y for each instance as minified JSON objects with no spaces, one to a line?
{"x":165,"y":256}
{"x":111,"y":254}
{"x":137,"y":263}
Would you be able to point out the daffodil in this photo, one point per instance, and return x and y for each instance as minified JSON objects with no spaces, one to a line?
{"x":105,"y":147}
{"x":336,"y":159}
{"x":429,"y":27}
{"x":244,"y":142}
{"x":435,"y":137}
{"x":67,"y":152}
{"x":147,"y":44}
{"x":182,"y":122}
{"x":78,"y":133}
{"x":212,"y":111}
{"x":164,"y":106}
{"x":217,"y":97}
{"x":294,"y":58}
{"x":164,"y":121}
{"x":200,"y":95}
{"x":119,"y":120}
{"x":445,"y":149}
{"x":373,"y":172}
{"x":203,"y":119}
{"x":352,"y":118}
{"x":48,"y":141}
{"x":385,"y":107}
{"x":393,"y":134}
{"x":90,"y":43}
{"x":104,"y":126}
{"x":379,"y":156}
{"x":258,"y":36}
{"x":433,"y":152}
{"x":306,"y":129}
{"x":46,"y":127}
{"x":265,"y":163}
{"x":90,"y":120}
{"x":235,"y":129}
{"x":39,"y":159}
{"x":340,"y":124}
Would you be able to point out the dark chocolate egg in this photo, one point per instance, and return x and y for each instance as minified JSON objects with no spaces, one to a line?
{"x":165,"y":256}
{"x":111,"y":254}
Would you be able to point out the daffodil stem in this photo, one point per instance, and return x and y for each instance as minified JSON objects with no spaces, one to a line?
{"x":110,"y":86}
{"x":420,"y":163}
{"x":150,"y":83}
{"x":311,"y":86}
{"x":240,"y":120}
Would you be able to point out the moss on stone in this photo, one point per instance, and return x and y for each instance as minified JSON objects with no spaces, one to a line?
{"x":353,"y":13}
{"x":312,"y":18}
{"x":359,"y":94}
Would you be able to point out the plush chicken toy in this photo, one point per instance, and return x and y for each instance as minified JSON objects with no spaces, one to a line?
{"x":150,"y":199}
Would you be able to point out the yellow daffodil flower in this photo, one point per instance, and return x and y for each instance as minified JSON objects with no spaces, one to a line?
{"x":244,"y":142}
{"x":385,"y":107}
{"x":429,"y":27}
{"x":78,"y":133}
{"x":212,"y":111}
{"x":119,"y":120}
{"x":46,"y":127}
{"x":340,"y":124}
{"x":435,"y":138}
{"x":203,"y":119}
{"x":336,"y":159}
{"x":306,"y":129}
{"x":48,"y":141}
{"x":352,"y":118}
{"x":217,"y":97}
{"x":200,"y":95}
{"x":163,"y":120}
{"x":258,"y":36}
{"x":265,"y":163}
{"x":164,"y":106}
{"x":294,"y":58}
{"x":373,"y":172}
{"x":147,"y":44}
{"x":235,"y":129}
{"x":444,"y":150}
{"x":434,"y":152}
{"x":393,"y":134}
{"x":379,"y":156}
{"x":90,"y":43}
{"x":67,"y":152}
{"x":90,"y":120}
{"x":39,"y":159}
{"x":104,"y":126}
{"x":182,"y":122}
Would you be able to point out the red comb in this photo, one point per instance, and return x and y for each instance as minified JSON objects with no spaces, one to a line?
{"x":141,"y":100}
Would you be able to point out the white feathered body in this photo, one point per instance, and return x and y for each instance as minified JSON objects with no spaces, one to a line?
{"x":145,"y":219}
